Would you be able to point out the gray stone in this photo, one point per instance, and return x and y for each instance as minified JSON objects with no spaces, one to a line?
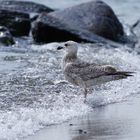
{"x":48,"y":29}
{"x":18,"y":23}
{"x":24,"y":6}
{"x":5,"y":36}
{"x":85,"y":22}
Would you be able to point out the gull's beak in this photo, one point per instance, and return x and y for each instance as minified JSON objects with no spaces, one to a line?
{"x":59,"y":47}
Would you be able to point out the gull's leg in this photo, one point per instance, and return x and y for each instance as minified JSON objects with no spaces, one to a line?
{"x":85,"y":93}
{"x":85,"y":89}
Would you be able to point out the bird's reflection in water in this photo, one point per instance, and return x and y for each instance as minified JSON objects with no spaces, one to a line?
{"x":100,"y":125}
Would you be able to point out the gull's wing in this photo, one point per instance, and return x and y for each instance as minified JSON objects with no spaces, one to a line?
{"x":88,"y":71}
{"x":85,"y":74}
{"x":81,"y":64}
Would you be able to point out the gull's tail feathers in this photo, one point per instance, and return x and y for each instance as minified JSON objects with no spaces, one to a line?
{"x":121,"y":75}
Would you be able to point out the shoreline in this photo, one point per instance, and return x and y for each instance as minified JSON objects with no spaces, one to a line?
{"x":118,"y":121}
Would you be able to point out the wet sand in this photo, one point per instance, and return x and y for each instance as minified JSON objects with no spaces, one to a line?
{"x":119,"y":121}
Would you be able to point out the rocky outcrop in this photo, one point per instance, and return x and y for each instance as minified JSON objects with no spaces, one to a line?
{"x":18,"y":23}
{"x":24,"y":6}
{"x":48,"y":29}
{"x":84,"y":22}
{"x":5,"y":36}
{"x":18,"y":15}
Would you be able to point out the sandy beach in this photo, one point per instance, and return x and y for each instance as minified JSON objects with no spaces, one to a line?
{"x":118,"y":121}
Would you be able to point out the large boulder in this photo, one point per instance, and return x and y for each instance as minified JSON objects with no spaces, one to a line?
{"x":5,"y":36}
{"x":49,"y":29}
{"x":79,"y":23}
{"x":18,"y":23}
{"x":24,"y":6}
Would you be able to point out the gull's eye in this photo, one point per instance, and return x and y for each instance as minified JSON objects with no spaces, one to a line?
{"x":66,"y":44}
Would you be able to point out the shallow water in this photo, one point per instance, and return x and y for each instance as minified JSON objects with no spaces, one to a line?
{"x":118,"y":121}
{"x":34,"y":94}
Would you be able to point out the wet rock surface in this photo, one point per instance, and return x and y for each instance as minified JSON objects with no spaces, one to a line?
{"x":18,"y":23}
{"x":5,"y":36}
{"x":79,"y":23}
{"x":24,"y":6}
{"x":48,"y":29}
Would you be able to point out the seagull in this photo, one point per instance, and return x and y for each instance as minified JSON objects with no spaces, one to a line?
{"x":84,"y":74}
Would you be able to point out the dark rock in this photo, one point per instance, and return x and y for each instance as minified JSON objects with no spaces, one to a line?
{"x":24,"y":6}
{"x":70,"y":124}
{"x":48,"y":29}
{"x":34,"y":17}
{"x":80,"y":131}
{"x":95,"y":16}
{"x":18,"y":23}
{"x":79,"y":23}
{"x":5,"y":36}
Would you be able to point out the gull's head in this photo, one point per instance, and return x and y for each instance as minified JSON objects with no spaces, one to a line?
{"x":70,"y":47}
